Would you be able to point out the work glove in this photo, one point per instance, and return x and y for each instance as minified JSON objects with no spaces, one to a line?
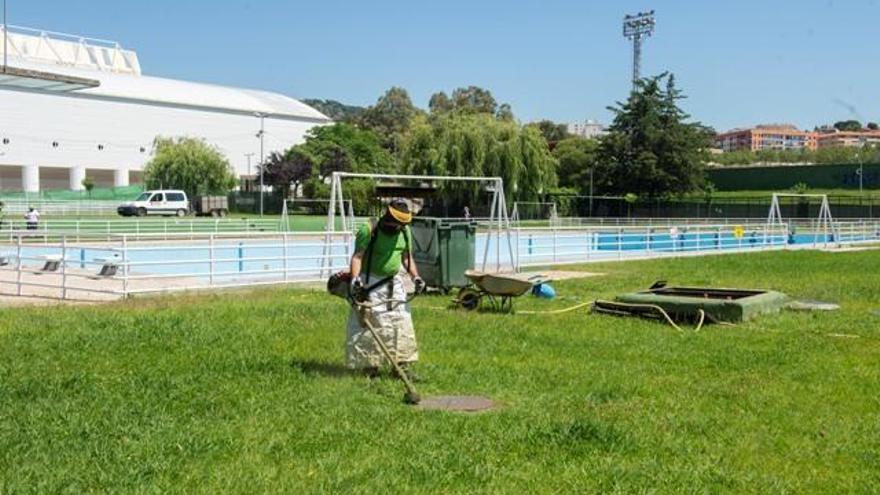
{"x":419,"y":284}
{"x":357,"y":288}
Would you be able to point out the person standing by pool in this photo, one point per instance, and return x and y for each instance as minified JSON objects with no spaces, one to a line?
{"x":381,"y":259}
{"x":32,"y":218}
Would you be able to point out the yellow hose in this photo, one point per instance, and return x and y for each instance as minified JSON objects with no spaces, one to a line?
{"x":702,"y":320}
{"x":654,"y":307}
{"x":659,"y":310}
{"x":554,"y":311}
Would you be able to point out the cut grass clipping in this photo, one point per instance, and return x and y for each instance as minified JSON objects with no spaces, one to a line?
{"x":246,"y":393}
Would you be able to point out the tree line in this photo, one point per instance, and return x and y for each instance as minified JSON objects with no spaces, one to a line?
{"x":652,"y":148}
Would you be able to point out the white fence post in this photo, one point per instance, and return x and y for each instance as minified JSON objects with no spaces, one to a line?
{"x":64,"y":266}
{"x":18,"y":266}
{"x":211,"y":260}
{"x":619,"y":243}
{"x":284,"y":241}
{"x":125,"y":269}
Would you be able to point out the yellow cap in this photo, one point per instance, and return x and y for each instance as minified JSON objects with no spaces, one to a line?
{"x":401,"y":216}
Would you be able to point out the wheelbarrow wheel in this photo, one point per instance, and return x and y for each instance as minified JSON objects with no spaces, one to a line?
{"x":469,"y":299}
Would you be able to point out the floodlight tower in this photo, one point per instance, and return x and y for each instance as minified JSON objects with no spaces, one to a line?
{"x":634,"y":28}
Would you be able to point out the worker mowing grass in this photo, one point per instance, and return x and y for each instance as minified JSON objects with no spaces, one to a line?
{"x":381,"y":260}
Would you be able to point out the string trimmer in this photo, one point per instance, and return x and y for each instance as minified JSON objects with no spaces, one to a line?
{"x":411,"y":396}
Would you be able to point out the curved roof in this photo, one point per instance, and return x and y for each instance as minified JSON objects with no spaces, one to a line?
{"x":184,"y":93}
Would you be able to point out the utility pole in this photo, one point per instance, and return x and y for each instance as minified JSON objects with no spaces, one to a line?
{"x":635,"y":27}
{"x":261,"y":135}
{"x":248,"y":156}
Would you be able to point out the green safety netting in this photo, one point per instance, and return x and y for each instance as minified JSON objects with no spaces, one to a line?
{"x":98,"y":193}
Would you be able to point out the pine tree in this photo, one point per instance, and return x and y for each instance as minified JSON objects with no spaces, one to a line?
{"x":651,"y":149}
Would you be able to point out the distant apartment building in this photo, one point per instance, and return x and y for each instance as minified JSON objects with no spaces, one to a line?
{"x":848,"y":138}
{"x":767,"y":137}
{"x":587,"y":129}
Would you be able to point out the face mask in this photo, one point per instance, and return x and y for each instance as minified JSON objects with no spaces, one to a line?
{"x":390,"y":226}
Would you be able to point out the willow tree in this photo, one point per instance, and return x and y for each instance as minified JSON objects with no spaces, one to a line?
{"x":479,"y":145}
{"x":189,"y":164}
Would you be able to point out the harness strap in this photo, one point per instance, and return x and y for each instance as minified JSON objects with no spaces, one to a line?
{"x":374,"y":233}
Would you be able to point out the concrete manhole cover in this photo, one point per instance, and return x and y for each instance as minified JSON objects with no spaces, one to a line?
{"x":464,"y":403}
{"x":807,"y":305}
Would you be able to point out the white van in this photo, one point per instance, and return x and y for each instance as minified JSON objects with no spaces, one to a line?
{"x":162,"y":202}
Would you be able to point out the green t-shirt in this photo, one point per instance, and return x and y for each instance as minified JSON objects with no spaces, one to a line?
{"x":387,"y":250}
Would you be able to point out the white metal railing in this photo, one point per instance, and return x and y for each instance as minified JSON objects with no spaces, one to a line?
{"x":562,"y":222}
{"x":94,"y":229}
{"x":179,"y":262}
{"x":542,"y":246}
{"x":69,"y":50}
{"x":61,"y":207}
{"x":681,"y":221}
{"x":850,"y":232}
{"x":161,"y":262}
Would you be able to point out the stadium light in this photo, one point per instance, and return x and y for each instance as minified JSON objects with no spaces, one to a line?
{"x":635,"y":27}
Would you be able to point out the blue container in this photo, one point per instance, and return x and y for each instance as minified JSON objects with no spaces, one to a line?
{"x":544,"y":291}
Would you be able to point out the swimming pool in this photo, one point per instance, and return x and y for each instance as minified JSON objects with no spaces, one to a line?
{"x":305,"y":257}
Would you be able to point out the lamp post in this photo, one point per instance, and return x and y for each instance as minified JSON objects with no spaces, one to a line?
{"x":634,"y":28}
{"x":5,"y":38}
{"x":261,"y":135}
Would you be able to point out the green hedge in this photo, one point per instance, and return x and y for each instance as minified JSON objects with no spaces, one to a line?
{"x":98,"y":193}
{"x":780,"y":177}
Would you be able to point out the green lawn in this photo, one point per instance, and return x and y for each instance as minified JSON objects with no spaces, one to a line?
{"x":244,"y":393}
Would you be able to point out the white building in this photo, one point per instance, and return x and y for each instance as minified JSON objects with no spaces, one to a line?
{"x":587,"y":129}
{"x":52,"y":140}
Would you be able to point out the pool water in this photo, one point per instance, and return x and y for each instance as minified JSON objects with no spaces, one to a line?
{"x":255,"y":259}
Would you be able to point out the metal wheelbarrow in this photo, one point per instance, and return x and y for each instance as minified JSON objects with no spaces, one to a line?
{"x":500,"y":289}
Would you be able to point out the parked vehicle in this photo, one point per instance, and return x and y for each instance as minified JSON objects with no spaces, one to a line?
{"x":162,"y":202}
{"x":215,"y":206}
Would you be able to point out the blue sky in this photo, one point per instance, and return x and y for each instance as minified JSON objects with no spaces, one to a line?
{"x":802,"y":61}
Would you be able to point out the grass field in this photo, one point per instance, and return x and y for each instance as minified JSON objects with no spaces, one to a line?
{"x":848,"y":193}
{"x":245,"y":393}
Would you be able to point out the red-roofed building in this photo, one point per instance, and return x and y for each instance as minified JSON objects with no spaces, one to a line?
{"x":767,"y":137}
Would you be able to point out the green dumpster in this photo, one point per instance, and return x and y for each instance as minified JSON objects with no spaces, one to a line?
{"x":443,"y":250}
